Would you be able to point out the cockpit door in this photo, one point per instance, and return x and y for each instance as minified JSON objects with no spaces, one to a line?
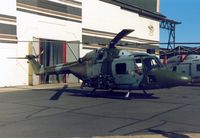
{"x":138,"y":69}
{"x":147,"y":64}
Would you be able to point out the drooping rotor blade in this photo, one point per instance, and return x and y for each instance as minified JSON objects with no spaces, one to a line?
{"x":119,"y":36}
{"x":57,"y":95}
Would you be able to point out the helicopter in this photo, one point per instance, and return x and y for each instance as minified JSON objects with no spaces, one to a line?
{"x":111,"y":68}
{"x":188,"y":64}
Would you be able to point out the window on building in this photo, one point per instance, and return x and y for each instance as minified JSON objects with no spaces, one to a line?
{"x":120,"y":68}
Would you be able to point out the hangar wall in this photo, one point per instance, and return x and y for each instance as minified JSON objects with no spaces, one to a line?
{"x":87,"y":21}
{"x":49,"y":22}
{"x":10,"y":70}
{"x":102,"y":20}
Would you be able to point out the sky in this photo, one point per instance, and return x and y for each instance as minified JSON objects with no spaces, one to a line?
{"x":188,"y":13}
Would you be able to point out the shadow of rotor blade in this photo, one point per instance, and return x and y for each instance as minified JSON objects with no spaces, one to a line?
{"x":57,"y":95}
{"x":168,"y":134}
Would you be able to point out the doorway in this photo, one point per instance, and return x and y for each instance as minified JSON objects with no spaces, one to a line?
{"x":54,"y":52}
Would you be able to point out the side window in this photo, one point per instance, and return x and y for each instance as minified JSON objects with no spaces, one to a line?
{"x":198,"y":67}
{"x":153,"y":63}
{"x":138,"y":62}
{"x":138,"y":66}
{"x":120,"y":68}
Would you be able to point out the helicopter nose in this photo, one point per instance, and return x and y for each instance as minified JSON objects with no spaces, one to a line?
{"x":167,"y":78}
{"x":181,"y":79}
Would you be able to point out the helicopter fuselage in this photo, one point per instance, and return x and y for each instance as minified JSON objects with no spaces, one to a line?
{"x":120,"y":69}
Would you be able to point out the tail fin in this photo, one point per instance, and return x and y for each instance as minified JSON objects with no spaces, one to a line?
{"x":35,"y":65}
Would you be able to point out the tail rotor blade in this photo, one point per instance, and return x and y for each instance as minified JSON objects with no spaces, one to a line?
{"x":40,"y":53}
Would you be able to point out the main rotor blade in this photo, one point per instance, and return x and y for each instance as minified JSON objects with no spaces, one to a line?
{"x":119,"y":36}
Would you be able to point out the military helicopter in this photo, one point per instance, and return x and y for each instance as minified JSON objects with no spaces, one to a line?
{"x":188,"y":64}
{"x":114,"y":69}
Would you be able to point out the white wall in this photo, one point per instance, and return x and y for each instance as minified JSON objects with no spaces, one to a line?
{"x":31,"y":25}
{"x":15,"y":71}
{"x":102,"y":16}
{"x":12,"y":71}
{"x":8,"y":7}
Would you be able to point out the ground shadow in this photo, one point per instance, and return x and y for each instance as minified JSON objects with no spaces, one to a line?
{"x":105,"y":94}
{"x":168,"y":134}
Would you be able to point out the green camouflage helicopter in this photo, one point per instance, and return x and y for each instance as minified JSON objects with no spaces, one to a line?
{"x":114,"y":69}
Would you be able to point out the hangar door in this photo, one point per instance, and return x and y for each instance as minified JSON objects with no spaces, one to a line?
{"x":56,"y":52}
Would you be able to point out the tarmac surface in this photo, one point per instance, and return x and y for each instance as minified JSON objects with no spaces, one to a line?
{"x":28,"y":112}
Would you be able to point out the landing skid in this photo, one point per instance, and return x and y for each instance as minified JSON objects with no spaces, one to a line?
{"x":147,"y":94}
{"x":92,"y":93}
{"x":127,"y":96}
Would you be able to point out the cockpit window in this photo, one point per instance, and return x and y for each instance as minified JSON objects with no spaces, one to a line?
{"x":138,"y":62}
{"x":146,"y":63}
{"x":151,"y":63}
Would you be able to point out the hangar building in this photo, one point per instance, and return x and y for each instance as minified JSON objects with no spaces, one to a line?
{"x":66,"y":30}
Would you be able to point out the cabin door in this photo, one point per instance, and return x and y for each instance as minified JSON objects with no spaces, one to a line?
{"x":122,"y":72}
